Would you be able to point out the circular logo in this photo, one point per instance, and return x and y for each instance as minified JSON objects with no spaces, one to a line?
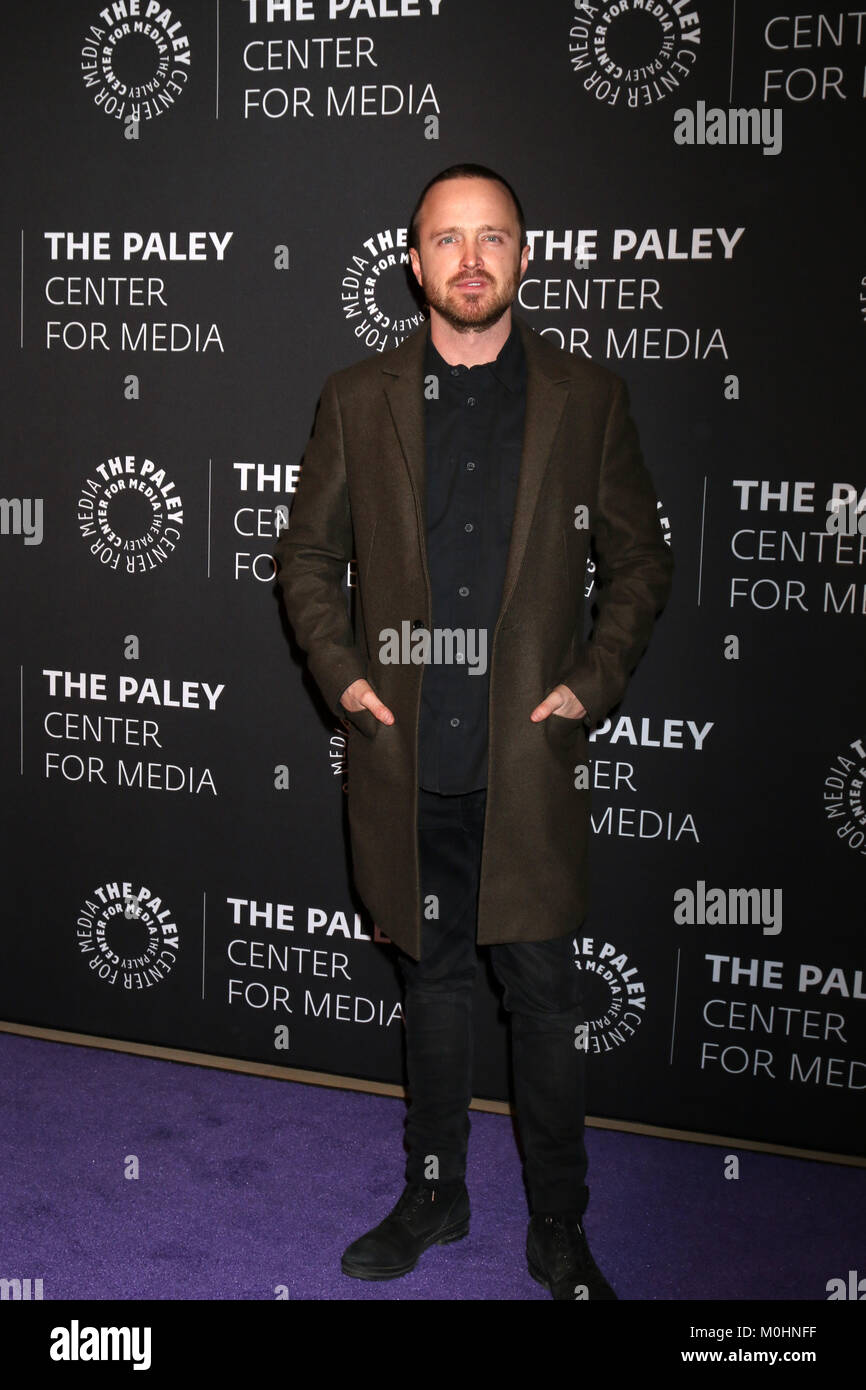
{"x":633,"y":56}
{"x":375,"y":297}
{"x":136,"y":65}
{"x":127,"y":936}
{"x":131,"y":514}
{"x":843,"y":796}
{"x":614,"y":998}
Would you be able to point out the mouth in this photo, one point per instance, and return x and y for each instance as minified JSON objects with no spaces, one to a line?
{"x":471,"y":284}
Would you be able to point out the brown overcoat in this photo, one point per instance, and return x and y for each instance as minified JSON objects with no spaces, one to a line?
{"x":361,"y":493}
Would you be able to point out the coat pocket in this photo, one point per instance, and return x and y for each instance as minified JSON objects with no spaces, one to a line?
{"x":567,"y":739}
{"x":561,"y":729}
{"x":364,"y":721}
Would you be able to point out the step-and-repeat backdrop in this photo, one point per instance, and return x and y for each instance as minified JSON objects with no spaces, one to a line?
{"x":205,"y":210}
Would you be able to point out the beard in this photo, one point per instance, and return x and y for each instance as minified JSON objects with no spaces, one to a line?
{"x":477,"y":311}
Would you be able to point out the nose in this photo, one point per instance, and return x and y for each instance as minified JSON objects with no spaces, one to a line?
{"x":471,"y":258}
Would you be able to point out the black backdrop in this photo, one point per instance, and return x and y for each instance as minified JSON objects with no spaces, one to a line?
{"x":175,"y":292}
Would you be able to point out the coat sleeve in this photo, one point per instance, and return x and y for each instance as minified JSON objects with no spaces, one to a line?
{"x":634,"y":567}
{"x":312,"y":553}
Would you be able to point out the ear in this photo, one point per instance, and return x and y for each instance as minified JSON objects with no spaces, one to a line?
{"x":415,"y":261}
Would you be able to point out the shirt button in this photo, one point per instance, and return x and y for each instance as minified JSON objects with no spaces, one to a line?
{"x":463,"y":590}
{"x":455,"y":371}
{"x":468,"y":526}
{"x":454,"y":722}
{"x":470,"y":465}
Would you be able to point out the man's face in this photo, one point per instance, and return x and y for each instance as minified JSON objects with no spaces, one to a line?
{"x":470,"y":264}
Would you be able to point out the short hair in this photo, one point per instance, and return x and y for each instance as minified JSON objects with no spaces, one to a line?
{"x":465,"y":171}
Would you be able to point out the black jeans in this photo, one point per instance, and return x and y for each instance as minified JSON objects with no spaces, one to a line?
{"x":542,"y":996}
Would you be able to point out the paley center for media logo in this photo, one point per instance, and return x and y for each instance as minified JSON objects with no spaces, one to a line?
{"x":615,"y":997}
{"x":845,"y":796}
{"x":135,"y":59}
{"x":633,"y":52}
{"x":127,"y":936}
{"x":375,"y":294}
{"x":131,"y":514}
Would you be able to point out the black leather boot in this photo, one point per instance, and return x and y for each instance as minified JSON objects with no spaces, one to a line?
{"x":559,"y":1258}
{"x":426,"y":1214}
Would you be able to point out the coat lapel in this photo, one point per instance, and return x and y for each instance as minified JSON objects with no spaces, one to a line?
{"x":546,"y":394}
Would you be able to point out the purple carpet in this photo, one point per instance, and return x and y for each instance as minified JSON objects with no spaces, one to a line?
{"x":248,"y":1184}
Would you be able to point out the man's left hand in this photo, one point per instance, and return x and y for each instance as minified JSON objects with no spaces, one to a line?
{"x":560,"y":701}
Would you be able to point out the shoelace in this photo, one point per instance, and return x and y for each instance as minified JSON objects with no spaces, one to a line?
{"x":413,"y":1201}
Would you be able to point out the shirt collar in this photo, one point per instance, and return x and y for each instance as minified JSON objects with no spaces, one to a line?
{"x":508,"y":368}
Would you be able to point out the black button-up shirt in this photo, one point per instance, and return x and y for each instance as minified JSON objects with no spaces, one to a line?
{"x":474,"y":425}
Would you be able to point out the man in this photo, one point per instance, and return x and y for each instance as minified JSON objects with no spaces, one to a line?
{"x":468,"y":471}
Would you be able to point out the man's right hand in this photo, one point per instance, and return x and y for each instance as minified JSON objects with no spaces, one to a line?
{"x":361,"y":695}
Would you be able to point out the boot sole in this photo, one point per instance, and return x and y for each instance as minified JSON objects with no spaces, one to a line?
{"x":446,"y":1237}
